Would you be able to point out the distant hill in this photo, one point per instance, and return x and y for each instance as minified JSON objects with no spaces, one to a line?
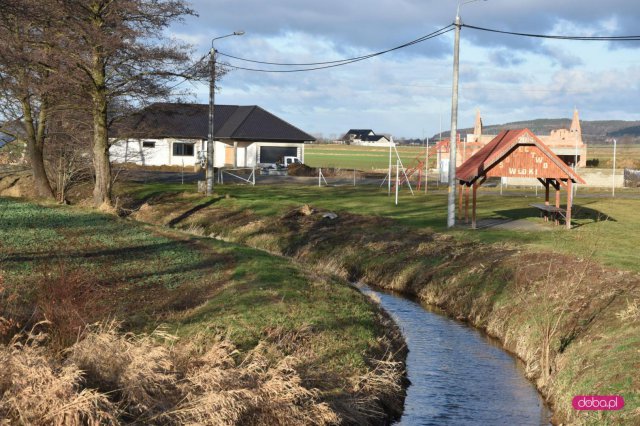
{"x":593,"y":132}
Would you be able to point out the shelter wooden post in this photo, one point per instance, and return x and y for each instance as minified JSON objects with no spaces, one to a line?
{"x":466,"y":204}
{"x":557,"y":187}
{"x":546,"y":197}
{"x":569,"y":203}
{"x":473,"y":214}
{"x":460,"y":201}
{"x":545,"y":182}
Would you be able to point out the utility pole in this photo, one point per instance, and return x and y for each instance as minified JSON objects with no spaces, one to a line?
{"x":451,"y":200}
{"x":613,"y":171}
{"x":212,"y":84}
{"x":212,"y":87}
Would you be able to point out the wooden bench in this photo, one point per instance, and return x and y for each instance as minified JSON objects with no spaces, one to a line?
{"x":551,"y":211}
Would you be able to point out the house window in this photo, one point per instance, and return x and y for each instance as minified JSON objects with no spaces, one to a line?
{"x":148,"y":144}
{"x":183,"y":149}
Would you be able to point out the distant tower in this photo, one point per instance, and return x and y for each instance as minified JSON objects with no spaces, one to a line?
{"x":477,"y":128}
{"x":575,"y":124}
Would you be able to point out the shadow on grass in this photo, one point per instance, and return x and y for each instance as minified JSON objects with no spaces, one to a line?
{"x":192,"y":211}
{"x":580,"y":212}
{"x":144,"y":250}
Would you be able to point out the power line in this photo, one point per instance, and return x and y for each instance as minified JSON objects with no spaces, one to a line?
{"x":558,"y":37}
{"x":333,"y":64}
{"x":185,"y":79}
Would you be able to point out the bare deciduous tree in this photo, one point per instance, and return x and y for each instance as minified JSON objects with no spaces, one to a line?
{"x":124,"y":59}
{"x":27,"y":80}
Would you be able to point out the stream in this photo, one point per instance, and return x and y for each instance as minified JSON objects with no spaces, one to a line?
{"x":459,"y":376}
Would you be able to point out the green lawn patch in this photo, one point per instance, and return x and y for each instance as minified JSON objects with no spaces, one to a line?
{"x":77,"y":266}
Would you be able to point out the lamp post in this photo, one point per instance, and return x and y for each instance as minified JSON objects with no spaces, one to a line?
{"x":451,"y":200}
{"x":212,"y":83}
{"x":613,"y":170}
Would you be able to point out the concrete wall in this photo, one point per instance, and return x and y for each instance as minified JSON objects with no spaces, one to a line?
{"x":597,"y":178}
{"x":383,"y":142}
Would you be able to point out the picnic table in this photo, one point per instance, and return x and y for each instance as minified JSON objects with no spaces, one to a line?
{"x":548,"y":211}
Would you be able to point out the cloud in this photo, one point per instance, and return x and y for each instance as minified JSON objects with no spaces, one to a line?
{"x":509,"y":78}
{"x":560,"y":56}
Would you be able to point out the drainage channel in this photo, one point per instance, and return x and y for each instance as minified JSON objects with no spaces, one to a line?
{"x":459,"y":376}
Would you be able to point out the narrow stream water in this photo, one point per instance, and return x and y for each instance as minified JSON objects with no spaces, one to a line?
{"x":458,"y":375}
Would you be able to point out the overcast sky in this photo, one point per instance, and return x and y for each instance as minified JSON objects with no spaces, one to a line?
{"x":408,"y":92}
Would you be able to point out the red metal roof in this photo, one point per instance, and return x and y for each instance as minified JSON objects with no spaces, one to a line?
{"x":504,"y":145}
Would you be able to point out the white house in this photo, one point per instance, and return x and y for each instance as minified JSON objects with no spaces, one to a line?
{"x":176,"y":134}
{"x":365,"y":137}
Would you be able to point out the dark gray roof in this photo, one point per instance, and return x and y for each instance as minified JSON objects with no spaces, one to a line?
{"x":359,"y":133}
{"x":190,"y":121}
{"x":363,"y":135}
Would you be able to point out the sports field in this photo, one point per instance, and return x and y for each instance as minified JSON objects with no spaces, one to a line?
{"x":360,"y":157}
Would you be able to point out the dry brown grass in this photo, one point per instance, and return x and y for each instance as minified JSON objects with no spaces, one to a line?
{"x":257,"y":393}
{"x":113,"y":378}
{"x":631,"y":312}
{"x":137,"y":370}
{"x":36,"y":389}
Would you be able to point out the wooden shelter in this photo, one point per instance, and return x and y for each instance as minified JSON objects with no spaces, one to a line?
{"x":517,"y":153}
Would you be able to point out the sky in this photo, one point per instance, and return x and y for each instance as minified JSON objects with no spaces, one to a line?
{"x":407,"y":93}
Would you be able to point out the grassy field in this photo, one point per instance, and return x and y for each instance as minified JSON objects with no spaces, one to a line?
{"x":359,"y":157}
{"x":605,"y":228}
{"x":626,"y":155}
{"x":73,"y":267}
{"x":233,"y":289}
{"x":367,"y":158}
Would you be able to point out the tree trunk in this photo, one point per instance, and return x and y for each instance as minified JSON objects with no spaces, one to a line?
{"x":101,"y":163}
{"x":35,"y":147}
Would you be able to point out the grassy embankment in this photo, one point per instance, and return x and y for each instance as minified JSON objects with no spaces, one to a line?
{"x":74,"y":267}
{"x":555,"y":298}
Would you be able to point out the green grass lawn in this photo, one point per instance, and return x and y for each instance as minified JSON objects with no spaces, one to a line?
{"x":605,"y":227}
{"x":77,"y":266}
{"x":627,"y":155}
{"x":367,"y":158}
{"x":360,"y":157}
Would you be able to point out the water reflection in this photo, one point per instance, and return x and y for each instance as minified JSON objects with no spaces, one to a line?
{"x":458,"y":375}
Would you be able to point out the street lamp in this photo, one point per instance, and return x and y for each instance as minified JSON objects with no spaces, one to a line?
{"x":212,"y":83}
{"x":451,"y":200}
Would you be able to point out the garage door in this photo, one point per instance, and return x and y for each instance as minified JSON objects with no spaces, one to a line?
{"x":275,"y":154}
